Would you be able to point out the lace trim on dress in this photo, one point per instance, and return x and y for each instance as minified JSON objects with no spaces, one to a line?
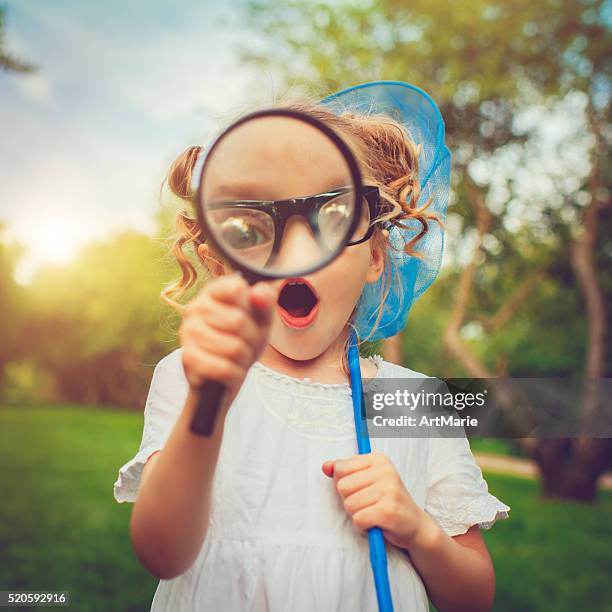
{"x":483,"y":511}
{"x":126,"y":486}
{"x":377,"y":360}
{"x":322,"y":411}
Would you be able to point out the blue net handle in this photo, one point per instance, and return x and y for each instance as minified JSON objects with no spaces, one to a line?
{"x":376,"y":540}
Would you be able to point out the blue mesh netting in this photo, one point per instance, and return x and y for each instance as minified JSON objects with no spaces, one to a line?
{"x":409,"y":276}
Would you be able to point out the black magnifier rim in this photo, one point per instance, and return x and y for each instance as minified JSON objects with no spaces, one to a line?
{"x":258,"y":274}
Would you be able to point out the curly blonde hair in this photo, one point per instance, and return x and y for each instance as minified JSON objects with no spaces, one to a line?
{"x":388,"y":158}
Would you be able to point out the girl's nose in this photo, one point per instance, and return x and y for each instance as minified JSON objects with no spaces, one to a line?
{"x":299,"y":246}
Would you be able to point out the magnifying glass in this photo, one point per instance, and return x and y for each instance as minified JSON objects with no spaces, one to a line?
{"x":279,"y":196}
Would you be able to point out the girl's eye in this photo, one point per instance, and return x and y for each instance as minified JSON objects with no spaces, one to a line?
{"x":245,"y":230}
{"x":335,"y":216}
{"x":239,"y":233}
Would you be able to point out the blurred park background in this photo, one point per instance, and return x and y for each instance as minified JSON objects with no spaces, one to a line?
{"x":96,"y":101}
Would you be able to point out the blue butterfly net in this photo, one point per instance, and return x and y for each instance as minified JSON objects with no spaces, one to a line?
{"x":408,"y":276}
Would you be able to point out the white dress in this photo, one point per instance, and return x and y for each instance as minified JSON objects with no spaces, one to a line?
{"x":279,"y":538}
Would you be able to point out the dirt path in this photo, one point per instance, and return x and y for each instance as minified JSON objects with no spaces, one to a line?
{"x":521,"y":467}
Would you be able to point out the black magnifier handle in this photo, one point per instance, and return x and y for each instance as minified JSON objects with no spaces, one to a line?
{"x":211,"y":393}
{"x":209,"y":401}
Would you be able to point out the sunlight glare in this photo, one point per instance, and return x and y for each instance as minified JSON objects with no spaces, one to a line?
{"x":53,"y":240}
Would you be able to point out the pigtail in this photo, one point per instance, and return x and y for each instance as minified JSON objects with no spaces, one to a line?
{"x":188,"y":231}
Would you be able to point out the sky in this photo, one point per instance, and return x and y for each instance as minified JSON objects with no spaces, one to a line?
{"x":120,"y":89}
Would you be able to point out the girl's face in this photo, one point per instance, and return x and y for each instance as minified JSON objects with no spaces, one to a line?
{"x":280,"y":158}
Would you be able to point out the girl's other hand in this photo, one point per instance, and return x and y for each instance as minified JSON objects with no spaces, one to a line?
{"x":374,"y":495}
{"x":224,"y":330}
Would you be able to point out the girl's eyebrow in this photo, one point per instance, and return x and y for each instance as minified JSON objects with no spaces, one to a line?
{"x":339,"y":181}
{"x":249,"y":191}
{"x":270,"y":200}
{"x":236,"y":191}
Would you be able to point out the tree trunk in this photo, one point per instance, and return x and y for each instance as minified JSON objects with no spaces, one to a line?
{"x":570,"y":468}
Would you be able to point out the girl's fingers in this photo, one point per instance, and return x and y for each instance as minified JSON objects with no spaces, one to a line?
{"x":362,"y":499}
{"x":247,"y":315}
{"x":344,"y":467}
{"x":347,"y":485}
{"x":200,"y":365}
{"x":263,"y":298}
{"x":232,"y":320}
{"x":366,"y":518}
{"x":226,"y":318}
{"x":230,"y":346}
{"x":224,"y":329}
{"x":230,"y":289}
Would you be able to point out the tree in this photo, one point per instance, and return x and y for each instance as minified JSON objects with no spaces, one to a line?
{"x":485,"y":62}
{"x":11,"y":305}
{"x":97,"y":325}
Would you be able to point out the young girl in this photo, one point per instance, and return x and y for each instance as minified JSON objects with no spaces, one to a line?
{"x":271,"y":511}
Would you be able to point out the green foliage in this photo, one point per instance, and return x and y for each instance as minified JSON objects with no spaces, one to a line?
{"x":111,"y":288}
{"x":423,"y":347}
{"x":95,"y":323}
{"x":11,"y":305}
{"x":461,"y":51}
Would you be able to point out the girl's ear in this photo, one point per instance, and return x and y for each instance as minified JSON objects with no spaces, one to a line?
{"x":214,"y":266}
{"x":377,"y":258}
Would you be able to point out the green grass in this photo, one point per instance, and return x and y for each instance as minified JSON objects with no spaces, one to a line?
{"x":550,"y":555}
{"x":61,"y":529}
{"x":496,"y":446}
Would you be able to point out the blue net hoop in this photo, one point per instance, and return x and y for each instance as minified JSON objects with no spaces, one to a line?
{"x":408,"y":277}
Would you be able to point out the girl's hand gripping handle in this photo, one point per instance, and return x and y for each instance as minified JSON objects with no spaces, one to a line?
{"x":223,"y":332}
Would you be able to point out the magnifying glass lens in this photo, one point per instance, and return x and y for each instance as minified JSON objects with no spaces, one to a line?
{"x":278,"y":195}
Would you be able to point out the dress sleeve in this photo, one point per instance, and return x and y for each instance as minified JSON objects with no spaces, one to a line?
{"x":166,"y":398}
{"x":457,"y":495}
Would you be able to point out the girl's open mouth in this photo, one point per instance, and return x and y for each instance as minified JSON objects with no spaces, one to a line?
{"x":298,"y":303}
